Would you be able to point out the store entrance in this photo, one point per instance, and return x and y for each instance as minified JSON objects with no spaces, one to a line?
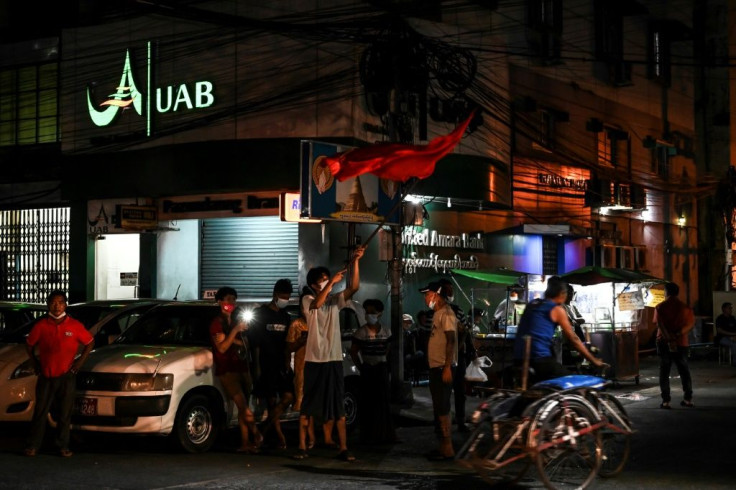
{"x":117,"y":260}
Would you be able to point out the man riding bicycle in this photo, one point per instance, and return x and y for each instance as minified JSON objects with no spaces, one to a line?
{"x":539,"y":321}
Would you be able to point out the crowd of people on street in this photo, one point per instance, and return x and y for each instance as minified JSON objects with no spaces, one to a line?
{"x":297,"y":362}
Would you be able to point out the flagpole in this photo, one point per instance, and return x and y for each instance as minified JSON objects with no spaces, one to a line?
{"x":379,"y":226}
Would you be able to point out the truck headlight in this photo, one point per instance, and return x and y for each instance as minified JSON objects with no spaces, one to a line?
{"x":148,"y":382}
{"x":23,"y":370}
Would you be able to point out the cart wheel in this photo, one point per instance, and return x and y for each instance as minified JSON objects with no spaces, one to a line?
{"x":566,"y":457}
{"x":636,"y":380}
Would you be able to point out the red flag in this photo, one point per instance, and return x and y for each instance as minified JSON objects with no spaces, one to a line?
{"x":395,"y":161}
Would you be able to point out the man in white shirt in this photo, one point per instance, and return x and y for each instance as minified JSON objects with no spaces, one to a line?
{"x":324,"y":386}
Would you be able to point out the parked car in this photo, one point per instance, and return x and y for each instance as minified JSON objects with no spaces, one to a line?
{"x":157,"y":378}
{"x":14,"y":314}
{"x":17,"y":379}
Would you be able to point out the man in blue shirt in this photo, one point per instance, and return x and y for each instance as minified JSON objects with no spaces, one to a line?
{"x":539,"y":321}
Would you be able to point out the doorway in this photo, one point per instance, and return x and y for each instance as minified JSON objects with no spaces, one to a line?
{"x":117,"y":260}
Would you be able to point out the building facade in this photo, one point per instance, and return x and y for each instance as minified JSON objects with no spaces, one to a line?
{"x":182,"y":128}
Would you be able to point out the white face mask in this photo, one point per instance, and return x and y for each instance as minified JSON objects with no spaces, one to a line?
{"x":281,"y":303}
{"x":323,"y":284}
{"x":432,"y":304}
{"x":450,"y":299}
{"x":371,"y":319}
{"x":57,"y":317}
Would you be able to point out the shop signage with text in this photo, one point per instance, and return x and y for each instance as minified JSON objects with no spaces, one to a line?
{"x":172,"y":98}
{"x":414,"y":236}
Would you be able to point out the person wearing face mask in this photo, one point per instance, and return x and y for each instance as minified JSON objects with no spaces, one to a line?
{"x":267,"y":337}
{"x":324,"y":386}
{"x":465,"y":354}
{"x":442,"y":356}
{"x":57,"y":338}
{"x":369,"y":352}
{"x":231,"y":366}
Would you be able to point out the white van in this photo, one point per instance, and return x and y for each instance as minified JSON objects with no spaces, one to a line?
{"x":158,"y":378}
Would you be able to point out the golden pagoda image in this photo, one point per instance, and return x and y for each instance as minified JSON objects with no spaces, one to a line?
{"x":356,"y":199}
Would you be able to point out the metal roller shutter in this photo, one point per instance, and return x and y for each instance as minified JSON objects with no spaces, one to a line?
{"x":249,"y":254}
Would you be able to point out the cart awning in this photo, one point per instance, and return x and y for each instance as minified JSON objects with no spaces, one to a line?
{"x":589,"y":275}
{"x":499,"y":276}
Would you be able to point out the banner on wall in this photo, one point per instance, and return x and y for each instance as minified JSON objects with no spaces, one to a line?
{"x":360,"y":199}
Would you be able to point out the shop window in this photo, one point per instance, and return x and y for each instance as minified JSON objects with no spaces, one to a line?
{"x":544,"y":29}
{"x":661,"y":160}
{"x":613,"y":147}
{"x":549,"y":255}
{"x":29,"y":105}
{"x":609,"y":39}
{"x":545,"y":131}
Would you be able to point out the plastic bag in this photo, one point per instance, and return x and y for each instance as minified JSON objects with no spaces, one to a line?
{"x":474,"y":371}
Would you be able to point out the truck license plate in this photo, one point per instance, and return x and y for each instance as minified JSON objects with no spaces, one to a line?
{"x":87,"y":406}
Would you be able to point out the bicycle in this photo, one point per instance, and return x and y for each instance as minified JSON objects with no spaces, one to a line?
{"x":569,"y":429}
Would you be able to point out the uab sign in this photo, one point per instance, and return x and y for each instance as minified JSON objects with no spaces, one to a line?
{"x":129,"y":95}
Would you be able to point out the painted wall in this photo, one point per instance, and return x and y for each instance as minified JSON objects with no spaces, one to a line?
{"x":178,"y":261}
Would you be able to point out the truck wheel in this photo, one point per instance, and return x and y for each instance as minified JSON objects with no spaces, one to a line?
{"x":351,"y":404}
{"x":195,"y":429}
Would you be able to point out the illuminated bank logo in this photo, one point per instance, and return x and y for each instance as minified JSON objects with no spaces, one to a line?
{"x":127,"y":94}
{"x":171,"y":98}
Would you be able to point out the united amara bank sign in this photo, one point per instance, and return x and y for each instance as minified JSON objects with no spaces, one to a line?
{"x":134,"y":93}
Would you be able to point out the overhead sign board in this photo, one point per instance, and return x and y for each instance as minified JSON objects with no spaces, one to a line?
{"x":132,"y":217}
{"x":290,"y":208}
{"x":362,"y":199}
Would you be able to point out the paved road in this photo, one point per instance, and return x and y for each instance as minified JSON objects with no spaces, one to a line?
{"x":680,"y":448}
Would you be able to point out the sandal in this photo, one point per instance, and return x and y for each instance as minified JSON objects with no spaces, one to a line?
{"x":65,"y":453}
{"x":345,"y":456}
{"x":30,"y":452}
{"x":687,"y":403}
{"x":249,"y":449}
{"x":665,"y":405}
{"x":301,"y":454}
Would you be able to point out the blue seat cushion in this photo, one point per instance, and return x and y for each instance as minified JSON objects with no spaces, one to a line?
{"x":572,"y":381}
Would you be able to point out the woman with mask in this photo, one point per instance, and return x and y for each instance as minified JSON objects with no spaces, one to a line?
{"x":369,"y":352}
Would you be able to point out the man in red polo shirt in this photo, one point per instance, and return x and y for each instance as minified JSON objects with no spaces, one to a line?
{"x":57,"y":338}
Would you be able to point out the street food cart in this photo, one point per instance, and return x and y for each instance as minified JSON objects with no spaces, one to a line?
{"x":490,"y":339}
{"x":611,"y":301}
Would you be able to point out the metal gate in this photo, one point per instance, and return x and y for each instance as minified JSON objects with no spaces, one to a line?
{"x":249,"y":254}
{"x":34,"y":253}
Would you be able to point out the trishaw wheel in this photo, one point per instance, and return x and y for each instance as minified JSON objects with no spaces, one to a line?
{"x":567,"y":455}
{"x":616,"y":441}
